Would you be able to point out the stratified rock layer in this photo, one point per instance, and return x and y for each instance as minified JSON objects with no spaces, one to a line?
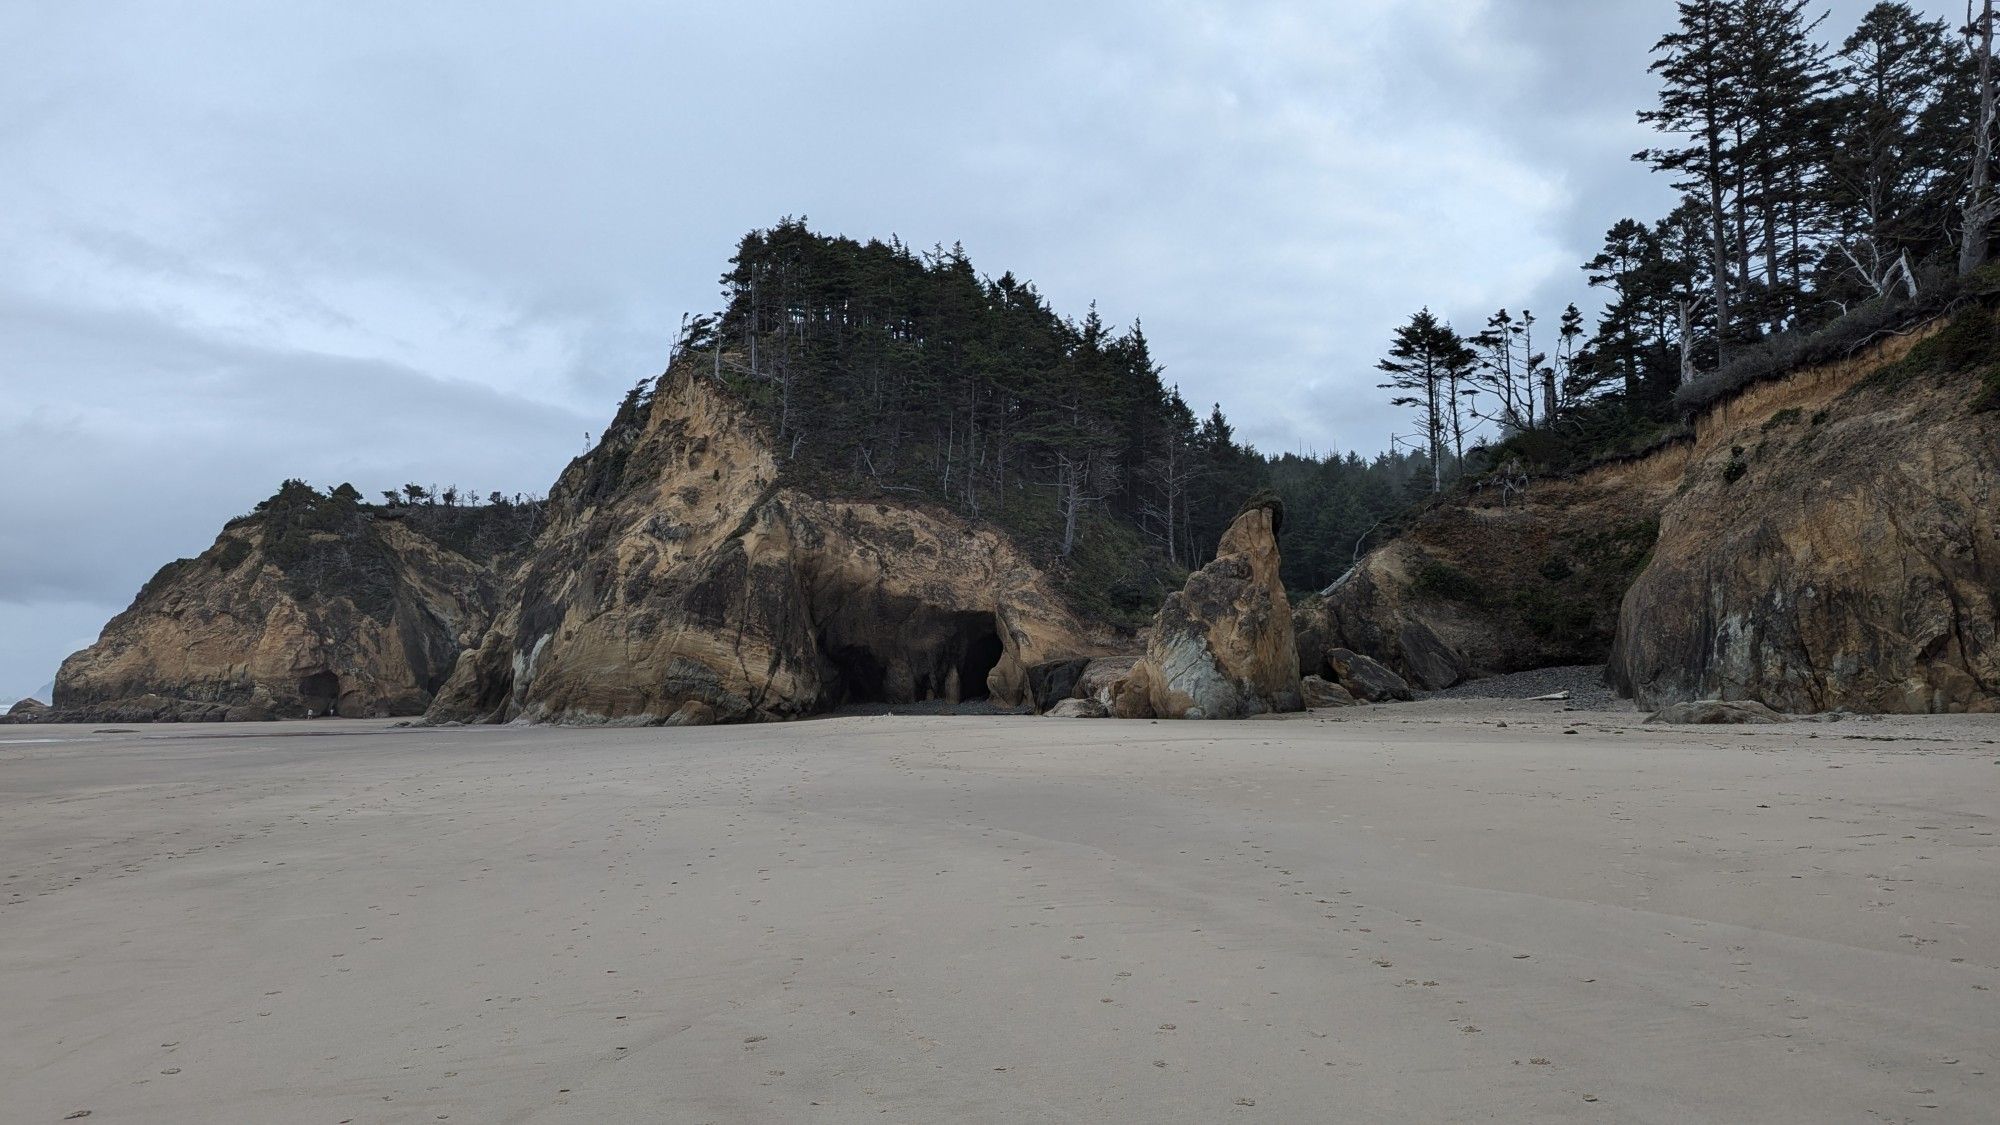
{"x":677,"y":569}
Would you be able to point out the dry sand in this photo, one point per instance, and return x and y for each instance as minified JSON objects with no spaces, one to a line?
{"x":1398,"y":914}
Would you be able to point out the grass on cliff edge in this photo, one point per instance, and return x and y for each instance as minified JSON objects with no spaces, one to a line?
{"x":1968,"y":347}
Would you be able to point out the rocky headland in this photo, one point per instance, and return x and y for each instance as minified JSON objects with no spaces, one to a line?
{"x":313,"y":604}
{"x":1820,"y":541}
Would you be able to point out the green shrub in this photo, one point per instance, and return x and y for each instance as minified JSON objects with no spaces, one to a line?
{"x":1784,"y":417}
{"x":1969,"y":343}
{"x":1553,"y":616}
{"x":1989,"y":390}
{"x":232,"y":554}
{"x":1435,"y":579}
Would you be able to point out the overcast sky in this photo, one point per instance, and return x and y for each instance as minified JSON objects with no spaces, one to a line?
{"x":383,"y":242}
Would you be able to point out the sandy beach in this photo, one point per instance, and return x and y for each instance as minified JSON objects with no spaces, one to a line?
{"x":1408,"y":913}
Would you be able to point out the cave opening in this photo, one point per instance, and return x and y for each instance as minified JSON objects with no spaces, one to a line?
{"x":857,"y":675}
{"x":980,"y":656}
{"x":929,"y":657}
{"x":320,"y":692}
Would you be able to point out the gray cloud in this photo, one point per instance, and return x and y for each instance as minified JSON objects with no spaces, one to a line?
{"x":379,"y":242}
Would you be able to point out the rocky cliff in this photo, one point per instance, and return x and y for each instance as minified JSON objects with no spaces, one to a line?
{"x":313,"y":603}
{"x":1832,"y":544}
{"x":681,"y":579}
{"x":1487,"y":585}
{"x":1821,"y":541}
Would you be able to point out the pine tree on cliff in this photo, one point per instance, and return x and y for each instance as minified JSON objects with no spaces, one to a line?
{"x":1648,"y":329}
{"x":1171,"y":472}
{"x":1783,"y":79}
{"x":1421,"y":363}
{"x":1701,"y":101}
{"x":1891,"y":140}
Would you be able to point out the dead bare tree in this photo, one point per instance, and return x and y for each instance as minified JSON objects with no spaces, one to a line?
{"x":1981,"y":208}
{"x":1687,"y":308}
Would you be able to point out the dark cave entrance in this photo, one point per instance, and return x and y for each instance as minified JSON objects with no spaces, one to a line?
{"x":320,"y":692}
{"x":929,"y":657}
{"x":980,"y":656}
{"x":857,"y":676}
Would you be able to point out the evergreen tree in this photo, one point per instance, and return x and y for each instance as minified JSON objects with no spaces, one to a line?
{"x":1887,"y":181}
{"x":1422,"y":363}
{"x":1782,"y":75}
{"x":1702,"y":102}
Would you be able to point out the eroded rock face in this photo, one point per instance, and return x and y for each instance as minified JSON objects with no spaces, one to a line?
{"x":1822,"y":542}
{"x":1222,"y":647}
{"x":1833,"y":547}
{"x":1366,"y":679}
{"x":676,"y":569}
{"x":1481,"y":587}
{"x":1053,"y":681}
{"x":365,"y":616}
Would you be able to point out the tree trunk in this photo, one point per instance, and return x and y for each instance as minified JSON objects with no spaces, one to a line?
{"x":1072,"y":474}
{"x":1979,"y":203}
{"x":1719,"y":247}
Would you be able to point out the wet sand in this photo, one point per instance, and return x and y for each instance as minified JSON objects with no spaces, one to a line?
{"x":1382,"y":915}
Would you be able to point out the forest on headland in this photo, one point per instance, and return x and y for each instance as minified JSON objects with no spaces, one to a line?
{"x":1834,"y":183}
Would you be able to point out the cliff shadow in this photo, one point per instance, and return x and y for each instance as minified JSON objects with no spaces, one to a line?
{"x":922,"y":656}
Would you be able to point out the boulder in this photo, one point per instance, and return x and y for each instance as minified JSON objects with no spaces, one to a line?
{"x":693,"y":713}
{"x":255,"y":711}
{"x":1078,"y":709}
{"x":1053,"y":681}
{"x":1222,"y":647}
{"x":1132,"y":696}
{"x":1101,"y":678}
{"x":1426,"y":658}
{"x":1717,"y":711}
{"x":1355,"y":614}
{"x":1319,"y":692}
{"x":1367,"y":679}
{"x":27,"y":711}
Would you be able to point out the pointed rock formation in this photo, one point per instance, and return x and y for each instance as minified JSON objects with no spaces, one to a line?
{"x":1222,"y":648}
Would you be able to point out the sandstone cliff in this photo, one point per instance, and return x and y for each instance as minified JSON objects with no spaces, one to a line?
{"x":1822,"y":541}
{"x":313,"y":603}
{"x":679,"y":578}
{"x":1832,"y":544}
